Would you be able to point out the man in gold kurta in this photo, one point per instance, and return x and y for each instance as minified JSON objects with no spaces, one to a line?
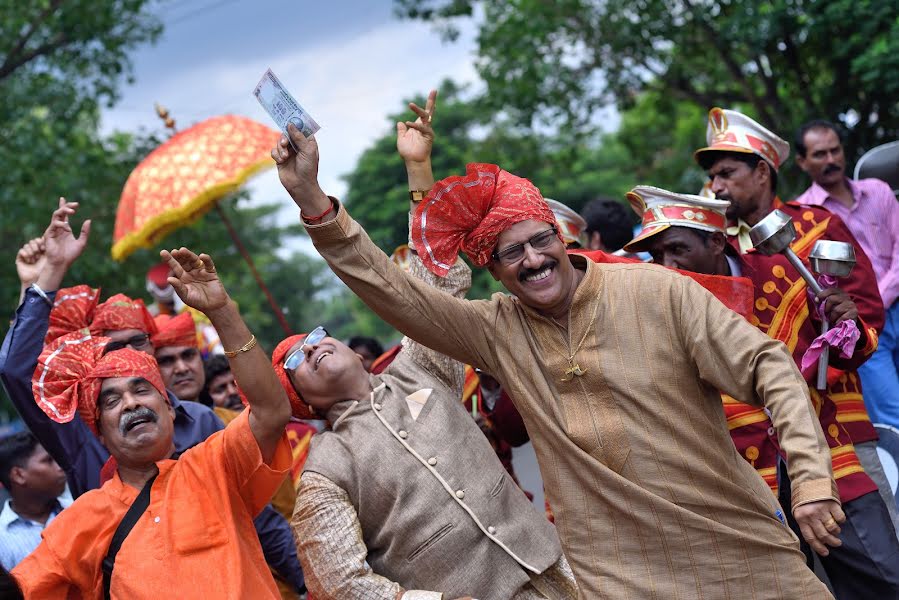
{"x":615,"y":369}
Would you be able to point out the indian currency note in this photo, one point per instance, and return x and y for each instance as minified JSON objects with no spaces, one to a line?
{"x":282,"y":107}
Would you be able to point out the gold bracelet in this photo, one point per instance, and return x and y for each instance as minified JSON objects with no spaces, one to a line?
{"x":245,"y":348}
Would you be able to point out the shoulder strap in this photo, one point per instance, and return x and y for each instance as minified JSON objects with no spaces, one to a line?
{"x":137,"y":508}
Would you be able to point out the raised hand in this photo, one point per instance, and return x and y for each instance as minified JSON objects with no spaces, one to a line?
{"x":60,"y":244}
{"x":414,"y":139}
{"x":30,"y":260}
{"x":195,"y":280}
{"x":298,"y":170}
{"x":61,"y":247}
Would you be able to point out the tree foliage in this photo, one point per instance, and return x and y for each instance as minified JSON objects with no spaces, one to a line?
{"x":61,"y":61}
{"x":573,"y":171}
{"x":783,"y":61}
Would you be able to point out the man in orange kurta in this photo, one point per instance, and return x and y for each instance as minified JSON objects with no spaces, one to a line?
{"x":196,"y":537}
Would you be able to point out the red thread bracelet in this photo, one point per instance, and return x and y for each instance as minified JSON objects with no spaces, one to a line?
{"x":311,"y":220}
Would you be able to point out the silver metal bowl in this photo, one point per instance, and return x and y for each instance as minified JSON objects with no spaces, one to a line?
{"x":832,"y":258}
{"x":773,"y":234}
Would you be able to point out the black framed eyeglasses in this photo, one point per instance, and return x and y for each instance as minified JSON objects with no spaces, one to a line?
{"x":515,"y":252}
{"x":296,"y":358}
{"x":138,"y":342}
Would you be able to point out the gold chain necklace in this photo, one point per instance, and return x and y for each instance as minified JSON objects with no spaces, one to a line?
{"x":574,"y":369}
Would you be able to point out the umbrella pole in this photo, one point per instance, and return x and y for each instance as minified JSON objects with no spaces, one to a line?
{"x":246,"y":256}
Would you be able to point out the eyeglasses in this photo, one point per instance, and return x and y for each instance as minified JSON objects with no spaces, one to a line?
{"x":296,"y":358}
{"x":515,"y":252}
{"x":137,"y":342}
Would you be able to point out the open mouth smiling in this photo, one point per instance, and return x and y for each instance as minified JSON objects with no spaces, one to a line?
{"x":140,"y":417}
{"x":321,"y":356}
{"x":535,"y":275}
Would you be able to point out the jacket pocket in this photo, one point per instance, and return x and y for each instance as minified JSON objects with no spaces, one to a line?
{"x":436,"y":537}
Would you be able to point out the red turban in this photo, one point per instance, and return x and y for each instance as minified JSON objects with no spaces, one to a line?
{"x":299,"y":409}
{"x":72,"y":368}
{"x":121,"y":312}
{"x":73,"y":310}
{"x":175,"y":331}
{"x":470,"y":212}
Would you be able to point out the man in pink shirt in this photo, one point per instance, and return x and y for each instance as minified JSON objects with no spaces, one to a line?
{"x":869,"y":209}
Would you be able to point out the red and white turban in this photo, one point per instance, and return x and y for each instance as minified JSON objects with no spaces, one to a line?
{"x":121,"y":312}
{"x":72,"y":310}
{"x":71,"y":369}
{"x":469,"y":212}
{"x":175,"y":331}
{"x":298,"y":406}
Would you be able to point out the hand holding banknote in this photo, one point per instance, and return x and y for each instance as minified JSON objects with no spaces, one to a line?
{"x":282,"y":107}
{"x":298,"y":171}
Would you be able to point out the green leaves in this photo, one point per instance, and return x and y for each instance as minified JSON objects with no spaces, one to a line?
{"x":783,"y":61}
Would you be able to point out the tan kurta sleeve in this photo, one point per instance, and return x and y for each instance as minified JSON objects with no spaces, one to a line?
{"x":452,"y":326}
{"x":743,"y":362}
{"x":331,"y":548}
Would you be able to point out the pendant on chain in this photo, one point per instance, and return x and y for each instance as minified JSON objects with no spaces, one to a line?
{"x":573,"y":370}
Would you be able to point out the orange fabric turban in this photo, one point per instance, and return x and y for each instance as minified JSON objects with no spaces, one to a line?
{"x":72,"y":368}
{"x":175,"y":331}
{"x":72,"y":310}
{"x":469,"y":212}
{"x":299,"y":409}
{"x":121,"y":312}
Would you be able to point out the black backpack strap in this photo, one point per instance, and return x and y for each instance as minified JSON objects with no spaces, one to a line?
{"x":137,"y":508}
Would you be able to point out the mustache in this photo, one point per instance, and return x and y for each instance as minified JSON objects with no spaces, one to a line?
{"x":832,"y":169}
{"x":141,"y":412}
{"x":526,"y":272}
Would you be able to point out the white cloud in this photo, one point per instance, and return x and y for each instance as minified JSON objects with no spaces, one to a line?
{"x":348,"y":87}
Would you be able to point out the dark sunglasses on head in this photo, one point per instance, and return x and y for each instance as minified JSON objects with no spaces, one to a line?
{"x":136,"y":342}
{"x":515,"y":252}
{"x":296,"y":358}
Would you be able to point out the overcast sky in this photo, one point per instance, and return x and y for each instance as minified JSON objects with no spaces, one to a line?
{"x":350,"y":63}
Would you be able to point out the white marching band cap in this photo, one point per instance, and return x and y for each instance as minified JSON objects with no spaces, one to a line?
{"x":661,"y":209}
{"x":732,"y":131}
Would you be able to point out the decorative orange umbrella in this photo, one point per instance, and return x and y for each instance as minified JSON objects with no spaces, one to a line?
{"x":185,"y":177}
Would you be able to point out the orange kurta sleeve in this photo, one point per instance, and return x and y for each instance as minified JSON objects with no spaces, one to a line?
{"x":42,"y":574}
{"x":255,"y":481}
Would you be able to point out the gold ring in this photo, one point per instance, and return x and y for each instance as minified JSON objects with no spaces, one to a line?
{"x":830,"y":522}
{"x":199,"y":264}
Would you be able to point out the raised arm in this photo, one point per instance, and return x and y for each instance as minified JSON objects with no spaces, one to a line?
{"x":198,"y":285}
{"x":414,"y":142}
{"x":452,"y":326}
{"x":30,"y":261}
{"x":45,"y":264}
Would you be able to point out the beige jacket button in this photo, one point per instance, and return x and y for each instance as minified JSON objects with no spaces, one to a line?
{"x":403,"y":434}
{"x":460,"y":494}
{"x":491,"y":530}
{"x":432,"y":461}
{"x":377,"y":406}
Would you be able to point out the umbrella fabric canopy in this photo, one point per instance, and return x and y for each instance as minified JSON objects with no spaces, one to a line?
{"x":184,"y":177}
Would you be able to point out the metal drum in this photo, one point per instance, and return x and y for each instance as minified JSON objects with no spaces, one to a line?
{"x":881,"y":162}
